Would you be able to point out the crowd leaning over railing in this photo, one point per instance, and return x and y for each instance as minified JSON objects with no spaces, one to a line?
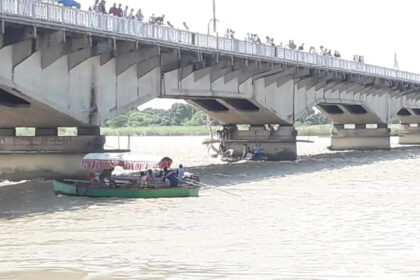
{"x":118,"y":11}
{"x":269,"y":41}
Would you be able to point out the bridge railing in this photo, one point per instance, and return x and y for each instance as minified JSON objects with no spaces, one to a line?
{"x":44,"y":12}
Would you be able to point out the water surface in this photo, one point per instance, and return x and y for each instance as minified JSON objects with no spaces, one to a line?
{"x":326,"y":216}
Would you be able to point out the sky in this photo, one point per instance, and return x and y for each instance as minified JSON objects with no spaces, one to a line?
{"x":375,"y":29}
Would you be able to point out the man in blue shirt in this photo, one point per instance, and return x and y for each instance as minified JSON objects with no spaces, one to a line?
{"x":181,"y":172}
{"x":257,"y":150}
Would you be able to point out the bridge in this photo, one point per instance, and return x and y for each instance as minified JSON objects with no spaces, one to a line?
{"x":63,"y":67}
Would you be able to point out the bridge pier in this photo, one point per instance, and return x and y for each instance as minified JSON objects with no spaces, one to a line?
{"x":276,"y":144}
{"x":360,"y":138}
{"x":46,"y":155}
{"x":409,"y":135}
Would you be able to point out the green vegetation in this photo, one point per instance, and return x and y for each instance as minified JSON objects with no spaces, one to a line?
{"x":178,"y":115}
{"x":184,"y":119}
{"x":156,"y":131}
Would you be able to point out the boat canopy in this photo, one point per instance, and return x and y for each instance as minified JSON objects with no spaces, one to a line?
{"x":128,"y":161}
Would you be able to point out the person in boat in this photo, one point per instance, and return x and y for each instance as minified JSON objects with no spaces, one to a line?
{"x":245,"y":151}
{"x":105,"y":175}
{"x":257,"y":151}
{"x":181,"y":172}
{"x":171,"y":176}
{"x":150,"y":176}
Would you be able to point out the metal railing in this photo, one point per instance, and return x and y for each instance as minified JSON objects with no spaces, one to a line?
{"x":44,"y":12}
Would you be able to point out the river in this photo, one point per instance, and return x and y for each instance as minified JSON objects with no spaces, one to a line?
{"x":329,"y":215}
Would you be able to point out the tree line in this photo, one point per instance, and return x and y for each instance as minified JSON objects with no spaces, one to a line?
{"x":181,"y":114}
{"x":178,"y":115}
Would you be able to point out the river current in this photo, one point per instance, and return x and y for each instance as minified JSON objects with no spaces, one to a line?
{"x":329,"y":215}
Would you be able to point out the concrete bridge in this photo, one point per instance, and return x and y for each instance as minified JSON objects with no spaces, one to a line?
{"x":62,"y":67}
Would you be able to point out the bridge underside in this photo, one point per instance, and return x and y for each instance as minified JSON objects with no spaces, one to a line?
{"x":51,"y":79}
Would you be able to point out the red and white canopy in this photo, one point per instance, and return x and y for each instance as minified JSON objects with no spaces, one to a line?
{"x":128,"y":161}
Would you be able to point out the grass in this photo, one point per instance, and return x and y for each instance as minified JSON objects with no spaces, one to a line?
{"x":156,"y":131}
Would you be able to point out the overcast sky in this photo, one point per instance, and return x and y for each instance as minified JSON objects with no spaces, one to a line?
{"x":373,"y":28}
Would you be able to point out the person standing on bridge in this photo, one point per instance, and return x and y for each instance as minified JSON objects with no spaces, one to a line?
{"x":126,"y":14}
{"x":120,"y":12}
{"x":113,"y":10}
{"x":139,"y":16}
{"x":101,"y":7}
{"x":96,"y":6}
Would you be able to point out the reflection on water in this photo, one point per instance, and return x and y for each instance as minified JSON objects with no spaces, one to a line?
{"x":326,"y":216}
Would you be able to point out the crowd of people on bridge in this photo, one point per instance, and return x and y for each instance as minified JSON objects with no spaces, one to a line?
{"x":118,"y":11}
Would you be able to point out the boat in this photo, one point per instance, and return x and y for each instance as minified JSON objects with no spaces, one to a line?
{"x":131,"y":185}
{"x":89,"y":189}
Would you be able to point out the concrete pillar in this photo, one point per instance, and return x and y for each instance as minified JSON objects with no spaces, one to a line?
{"x":46,"y":155}
{"x":275,"y":145}
{"x":360,"y":138}
{"x":409,"y":135}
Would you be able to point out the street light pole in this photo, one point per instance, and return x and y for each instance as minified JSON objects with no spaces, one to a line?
{"x":214,"y":20}
{"x":214,"y":17}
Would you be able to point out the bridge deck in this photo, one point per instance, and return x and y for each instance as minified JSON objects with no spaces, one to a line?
{"x":59,"y":17}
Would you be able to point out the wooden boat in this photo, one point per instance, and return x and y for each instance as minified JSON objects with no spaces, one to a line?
{"x":132,"y":186}
{"x":89,"y":189}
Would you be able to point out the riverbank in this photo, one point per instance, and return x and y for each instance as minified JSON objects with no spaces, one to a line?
{"x":303,"y":130}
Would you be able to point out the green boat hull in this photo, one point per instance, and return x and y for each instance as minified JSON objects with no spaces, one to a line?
{"x":76,"y":189}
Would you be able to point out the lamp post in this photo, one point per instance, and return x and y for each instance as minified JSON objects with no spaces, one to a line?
{"x":214,"y":20}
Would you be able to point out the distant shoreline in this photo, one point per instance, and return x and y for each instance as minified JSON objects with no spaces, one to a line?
{"x":303,"y":130}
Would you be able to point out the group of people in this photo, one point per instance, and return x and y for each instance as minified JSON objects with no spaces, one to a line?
{"x":167,"y":175}
{"x":230,"y":34}
{"x":359,"y":58}
{"x":118,"y":11}
{"x":170,"y":175}
{"x":247,"y":152}
{"x":253,"y":38}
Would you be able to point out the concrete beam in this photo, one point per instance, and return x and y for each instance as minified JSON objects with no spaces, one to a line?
{"x":13,"y":35}
{"x":126,"y":60}
{"x":147,"y":66}
{"x":308,"y":83}
{"x":105,"y":49}
{"x":77,"y":57}
{"x":330,"y":85}
{"x":274,"y":78}
{"x":53,"y":45}
{"x":215,"y":75}
{"x":77,"y":43}
{"x":232,"y":75}
{"x":80,"y":50}
{"x":251,"y":70}
{"x":169,"y":61}
{"x":277,"y":69}
{"x":201,"y":73}
{"x":22,"y":50}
